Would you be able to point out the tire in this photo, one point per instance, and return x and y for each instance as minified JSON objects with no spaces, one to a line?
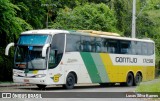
{"x":137,"y":79}
{"x":70,"y":81}
{"x":129,"y":80}
{"x":41,"y":86}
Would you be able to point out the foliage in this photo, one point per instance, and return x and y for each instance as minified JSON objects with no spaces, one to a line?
{"x":149,"y":87}
{"x":88,"y":16}
{"x":10,"y":24}
{"x":152,"y":4}
{"x":32,"y":12}
{"x":148,"y":25}
{"x":123,"y":15}
{"x":10,"y":28}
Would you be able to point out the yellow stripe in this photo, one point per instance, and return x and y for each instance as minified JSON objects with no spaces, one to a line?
{"x":108,"y":66}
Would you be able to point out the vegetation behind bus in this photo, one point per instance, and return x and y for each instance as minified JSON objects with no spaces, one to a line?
{"x":21,"y":15}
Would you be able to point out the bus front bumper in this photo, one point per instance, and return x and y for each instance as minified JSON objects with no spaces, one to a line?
{"x":29,"y":80}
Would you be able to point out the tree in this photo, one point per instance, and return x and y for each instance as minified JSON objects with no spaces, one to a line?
{"x":123,"y":15}
{"x":10,"y":28}
{"x":32,"y":12}
{"x":88,"y":16}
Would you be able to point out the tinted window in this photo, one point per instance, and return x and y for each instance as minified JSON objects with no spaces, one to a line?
{"x":86,"y":44}
{"x":58,"y":42}
{"x":97,"y":44}
{"x":57,"y":49}
{"x":133,"y":47}
{"x":34,"y":39}
{"x":113,"y":46}
{"x":144,"y":48}
{"x":138,"y":48}
{"x":73,"y":43}
{"x":150,"y":49}
{"x":104,"y":47}
{"x":52,"y":59}
{"x":125,"y":47}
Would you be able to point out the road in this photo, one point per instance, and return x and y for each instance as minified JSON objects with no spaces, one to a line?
{"x":78,"y":88}
{"x":57,"y":93}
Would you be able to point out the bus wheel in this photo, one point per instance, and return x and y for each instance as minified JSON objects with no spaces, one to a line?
{"x":41,"y":86}
{"x":70,"y":81}
{"x":129,"y":80}
{"x":137,"y":79}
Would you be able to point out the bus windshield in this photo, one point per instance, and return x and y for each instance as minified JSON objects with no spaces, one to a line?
{"x":29,"y":51}
{"x":33,"y":39}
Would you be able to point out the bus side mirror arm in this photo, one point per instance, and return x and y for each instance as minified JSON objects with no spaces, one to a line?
{"x":8,"y":47}
{"x":44,"y":49}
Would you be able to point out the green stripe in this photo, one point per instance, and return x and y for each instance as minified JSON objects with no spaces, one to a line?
{"x":100,"y":67}
{"x":91,"y":67}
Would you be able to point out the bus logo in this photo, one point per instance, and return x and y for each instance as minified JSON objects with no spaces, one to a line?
{"x":56,"y":77}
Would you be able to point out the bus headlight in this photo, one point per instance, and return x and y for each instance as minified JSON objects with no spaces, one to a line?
{"x":40,"y":75}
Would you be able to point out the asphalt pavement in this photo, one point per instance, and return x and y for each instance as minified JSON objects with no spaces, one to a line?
{"x":20,"y":87}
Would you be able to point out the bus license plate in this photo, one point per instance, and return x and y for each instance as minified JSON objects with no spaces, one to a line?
{"x":26,"y":80}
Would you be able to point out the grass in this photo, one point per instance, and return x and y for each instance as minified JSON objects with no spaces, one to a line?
{"x":6,"y":82}
{"x":149,"y":87}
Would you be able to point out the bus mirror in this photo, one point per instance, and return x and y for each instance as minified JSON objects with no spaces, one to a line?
{"x":44,"y":49}
{"x":8,"y":47}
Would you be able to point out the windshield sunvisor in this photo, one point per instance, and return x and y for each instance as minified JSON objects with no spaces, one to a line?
{"x":45,"y":49}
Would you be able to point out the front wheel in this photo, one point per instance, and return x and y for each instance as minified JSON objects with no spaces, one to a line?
{"x":70,"y":81}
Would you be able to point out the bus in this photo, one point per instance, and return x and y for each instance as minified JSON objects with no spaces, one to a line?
{"x":62,"y":57}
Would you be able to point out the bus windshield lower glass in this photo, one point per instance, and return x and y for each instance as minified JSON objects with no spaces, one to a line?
{"x":29,"y":57}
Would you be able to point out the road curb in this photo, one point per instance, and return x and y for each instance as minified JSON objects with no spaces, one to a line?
{"x":13,"y":84}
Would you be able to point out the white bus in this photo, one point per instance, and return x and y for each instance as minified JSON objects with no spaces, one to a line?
{"x":61,"y":57}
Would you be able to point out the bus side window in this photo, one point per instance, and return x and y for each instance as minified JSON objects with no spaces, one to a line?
{"x":138,"y":48}
{"x":98,"y":45}
{"x":144,"y":48}
{"x":133,"y":47}
{"x":73,"y":43}
{"x":93,"y":44}
{"x":150,"y":48}
{"x":57,"y":47}
{"x":113,"y":46}
{"x":52,"y":61}
{"x":86,"y":46}
{"x":125,"y":47}
{"x":86,"y":42}
{"x":104,"y":45}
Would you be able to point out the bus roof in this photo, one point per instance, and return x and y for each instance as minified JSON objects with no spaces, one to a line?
{"x":45,"y":31}
{"x":85,"y":33}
